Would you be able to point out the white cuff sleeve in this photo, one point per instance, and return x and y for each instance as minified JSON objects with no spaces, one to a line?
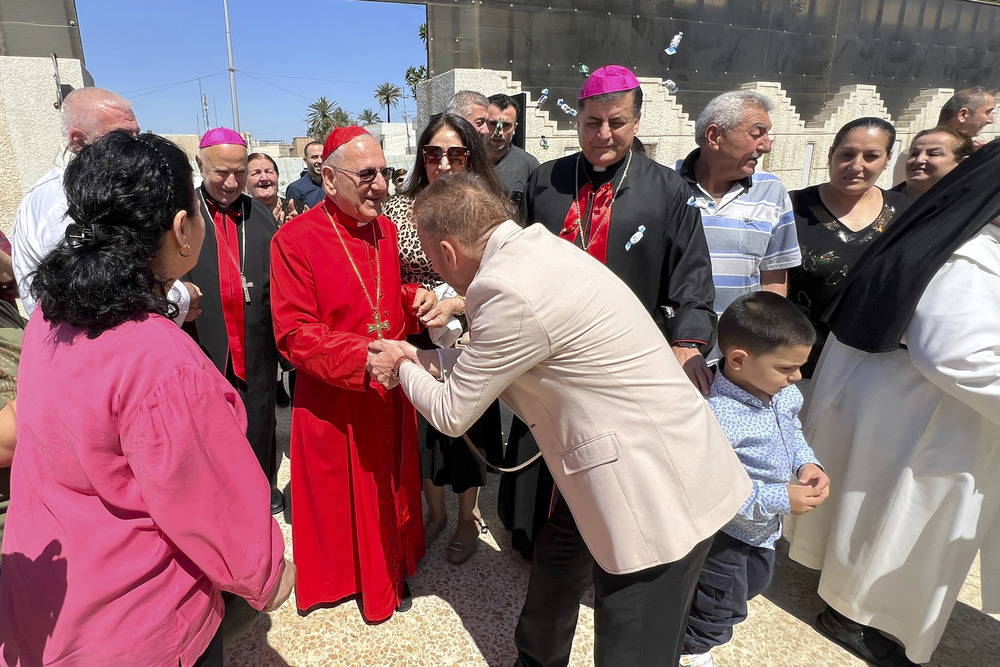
{"x":179,"y":295}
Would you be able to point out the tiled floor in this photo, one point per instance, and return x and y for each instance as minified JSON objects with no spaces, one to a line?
{"x":465,"y":615}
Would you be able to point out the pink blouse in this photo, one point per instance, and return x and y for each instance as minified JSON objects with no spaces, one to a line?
{"x":135,"y":499}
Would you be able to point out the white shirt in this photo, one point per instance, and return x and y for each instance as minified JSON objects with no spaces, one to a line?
{"x":39,"y":226}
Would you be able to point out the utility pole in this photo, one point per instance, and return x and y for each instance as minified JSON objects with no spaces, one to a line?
{"x":232,"y":69}
{"x":406,"y":124}
{"x":204,"y":105}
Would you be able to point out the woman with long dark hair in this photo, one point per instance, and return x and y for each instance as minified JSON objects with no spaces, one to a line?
{"x":136,"y":498}
{"x":449,"y":144}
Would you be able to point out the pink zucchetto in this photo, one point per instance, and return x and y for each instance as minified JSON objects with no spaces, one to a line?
{"x":608,"y":79}
{"x":221,"y":135}
{"x":340,"y":136}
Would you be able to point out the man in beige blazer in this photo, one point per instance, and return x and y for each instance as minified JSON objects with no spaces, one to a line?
{"x":636,"y":453}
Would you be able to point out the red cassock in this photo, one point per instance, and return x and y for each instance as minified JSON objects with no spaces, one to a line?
{"x":357,"y":524}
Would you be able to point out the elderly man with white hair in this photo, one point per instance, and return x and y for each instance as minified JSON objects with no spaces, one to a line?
{"x":747,"y":213}
{"x":234,"y":272}
{"x":41,"y":221}
{"x":355,"y":468}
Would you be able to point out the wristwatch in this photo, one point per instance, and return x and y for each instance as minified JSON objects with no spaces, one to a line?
{"x":686,"y":343}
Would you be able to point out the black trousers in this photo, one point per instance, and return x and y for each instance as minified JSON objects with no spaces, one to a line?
{"x":213,"y":655}
{"x":734,"y":573}
{"x":639,"y":618}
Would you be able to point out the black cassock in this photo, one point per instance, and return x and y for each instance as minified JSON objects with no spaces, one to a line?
{"x":667,"y":266}
{"x":209,"y":330}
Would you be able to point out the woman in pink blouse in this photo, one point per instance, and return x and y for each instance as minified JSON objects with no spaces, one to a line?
{"x":135,"y":498}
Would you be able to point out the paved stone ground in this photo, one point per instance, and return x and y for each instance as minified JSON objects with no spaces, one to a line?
{"x":465,"y":615}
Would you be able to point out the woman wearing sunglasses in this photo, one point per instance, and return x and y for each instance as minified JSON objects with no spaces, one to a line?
{"x":449,"y":144}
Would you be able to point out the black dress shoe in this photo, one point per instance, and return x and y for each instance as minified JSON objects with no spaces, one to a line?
{"x":277,"y":501}
{"x":407,"y":602}
{"x":867,"y":643}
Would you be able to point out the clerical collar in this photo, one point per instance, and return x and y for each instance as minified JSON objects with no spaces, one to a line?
{"x":342,"y":217}
{"x":601,"y":175}
{"x":232,"y":209}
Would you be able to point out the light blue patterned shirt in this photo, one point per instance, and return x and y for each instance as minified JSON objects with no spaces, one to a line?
{"x":768,"y":440}
{"x":752,"y":229}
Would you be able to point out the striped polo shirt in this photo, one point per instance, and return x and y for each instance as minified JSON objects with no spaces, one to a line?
{"x":751,"y":230}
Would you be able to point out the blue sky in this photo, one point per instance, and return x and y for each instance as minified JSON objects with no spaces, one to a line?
{"x":287,"y":54}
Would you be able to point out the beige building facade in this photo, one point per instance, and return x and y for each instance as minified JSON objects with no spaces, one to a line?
{"x":801,"y":145}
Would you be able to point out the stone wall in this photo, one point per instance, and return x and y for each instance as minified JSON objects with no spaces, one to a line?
{"x":801,"y":146}
{"x":30,"y":124}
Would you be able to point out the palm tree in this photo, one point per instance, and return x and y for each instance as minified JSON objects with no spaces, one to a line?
{"x":388,"y":95}
{"x":369,"y":117}
{"x":413,"y":76}
{"x":320,"y":121}
{"x":422,"y":31}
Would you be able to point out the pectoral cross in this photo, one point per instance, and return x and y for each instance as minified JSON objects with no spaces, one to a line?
{"x":246,"y":288}
{"x":378,"y":326}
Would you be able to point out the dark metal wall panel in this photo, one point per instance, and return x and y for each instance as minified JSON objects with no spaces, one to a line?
{"x":813,"y":47}
{"x":40,"y":27}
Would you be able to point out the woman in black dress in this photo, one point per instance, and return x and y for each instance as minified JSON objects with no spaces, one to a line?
{"x":837,"y":220}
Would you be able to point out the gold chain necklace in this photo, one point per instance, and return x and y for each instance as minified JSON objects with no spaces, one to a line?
{"x":583,"y":234}
{"x":378,"y":325}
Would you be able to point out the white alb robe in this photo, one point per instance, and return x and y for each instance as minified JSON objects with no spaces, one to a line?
{"x":911,"y":441}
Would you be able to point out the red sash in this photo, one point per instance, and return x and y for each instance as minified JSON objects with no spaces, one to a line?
{"x":597,"y":244}
{"x":227,"y":239}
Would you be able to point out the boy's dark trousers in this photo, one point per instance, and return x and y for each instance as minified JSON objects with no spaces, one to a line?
{"x":734,"y":572}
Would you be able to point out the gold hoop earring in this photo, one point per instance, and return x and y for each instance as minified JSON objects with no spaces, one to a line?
{"x":187,"y":246}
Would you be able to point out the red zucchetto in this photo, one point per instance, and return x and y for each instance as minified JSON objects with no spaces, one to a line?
{"x":341,"y":136}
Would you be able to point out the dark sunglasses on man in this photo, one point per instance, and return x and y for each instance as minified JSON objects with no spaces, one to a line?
{"x":368,"y":174}
{"x":457,"y":155}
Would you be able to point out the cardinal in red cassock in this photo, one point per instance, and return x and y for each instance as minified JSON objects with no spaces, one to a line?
{"x":357,"y":523}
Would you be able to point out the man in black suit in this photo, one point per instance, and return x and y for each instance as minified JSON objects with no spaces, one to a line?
{"x":632,"y":215}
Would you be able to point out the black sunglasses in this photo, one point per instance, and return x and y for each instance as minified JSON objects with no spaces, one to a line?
{"x":368,"y":174}
{"x":457,"y":155}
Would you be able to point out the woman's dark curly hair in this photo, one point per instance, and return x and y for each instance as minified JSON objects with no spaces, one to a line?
{"x":125,"y":192}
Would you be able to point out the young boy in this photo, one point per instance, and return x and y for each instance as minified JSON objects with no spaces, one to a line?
{"x":764,"y":340}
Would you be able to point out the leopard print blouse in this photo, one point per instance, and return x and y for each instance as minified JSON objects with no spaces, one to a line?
{"x":413,"y":263}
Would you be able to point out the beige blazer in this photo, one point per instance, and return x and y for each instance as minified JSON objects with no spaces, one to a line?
{"x":636,"y":451}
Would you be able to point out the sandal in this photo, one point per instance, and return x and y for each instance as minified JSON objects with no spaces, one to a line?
{"x":459,"y":551}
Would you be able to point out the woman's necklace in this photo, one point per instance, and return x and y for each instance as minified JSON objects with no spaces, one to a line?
{"x":585,"y":234}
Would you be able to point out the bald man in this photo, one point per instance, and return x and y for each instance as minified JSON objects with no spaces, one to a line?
{"x":40,"y":223}
{"x":235,"y":329}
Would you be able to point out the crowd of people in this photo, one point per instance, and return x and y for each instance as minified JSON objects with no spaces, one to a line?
{"x":704,"y":361}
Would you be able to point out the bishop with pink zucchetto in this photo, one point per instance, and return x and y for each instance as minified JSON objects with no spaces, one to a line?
{"x":233,"y":272}
{"x":631,"y":214}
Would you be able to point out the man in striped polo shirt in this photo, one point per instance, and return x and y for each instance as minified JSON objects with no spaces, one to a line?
{"x":746,"y":213}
